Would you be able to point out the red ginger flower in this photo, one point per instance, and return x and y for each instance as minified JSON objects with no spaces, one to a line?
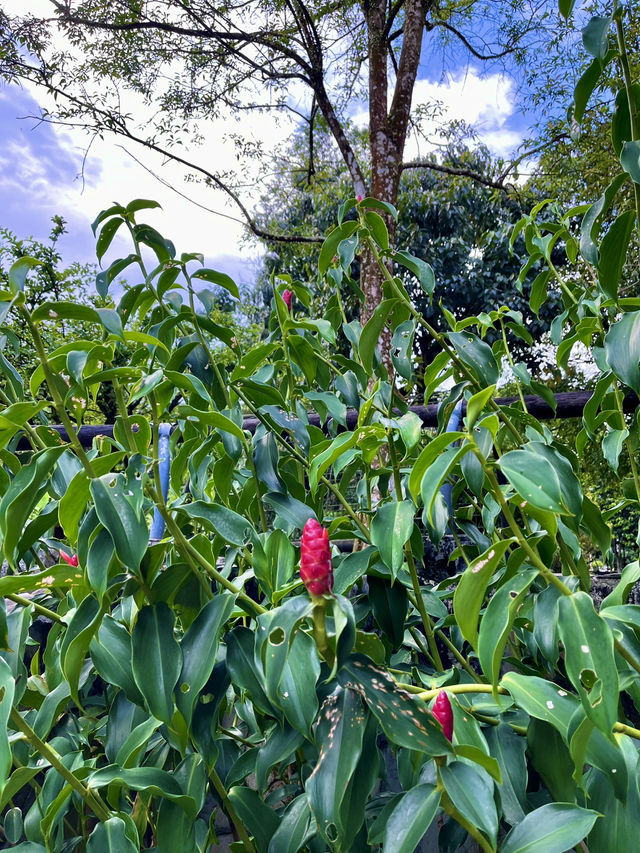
{"x":287,"y":296}
{"x":72,"y":560}
{"x":316,"y":567}
{"x":441,"y":710}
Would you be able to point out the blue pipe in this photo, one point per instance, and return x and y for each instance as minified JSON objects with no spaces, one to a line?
{"x":452,"y":426}
{"x":164,"y":464}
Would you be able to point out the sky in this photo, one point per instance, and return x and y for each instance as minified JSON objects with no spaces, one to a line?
{"x":46,"y":169}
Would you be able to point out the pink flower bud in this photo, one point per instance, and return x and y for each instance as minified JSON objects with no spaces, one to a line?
{"x":287,"y":296}
{"x":316,"y":567}
{"x":72,"y":560}
{"x":441,"y":710}
{"x":358,"y":198}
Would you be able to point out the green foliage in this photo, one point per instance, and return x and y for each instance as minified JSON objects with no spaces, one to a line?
{"x":190,"y":667}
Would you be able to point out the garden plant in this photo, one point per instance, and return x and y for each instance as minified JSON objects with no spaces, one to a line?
{"x":256,"y":633}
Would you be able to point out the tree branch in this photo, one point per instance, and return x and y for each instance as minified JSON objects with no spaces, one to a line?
{"x":497,"y":184}
{"x":465,"y":41}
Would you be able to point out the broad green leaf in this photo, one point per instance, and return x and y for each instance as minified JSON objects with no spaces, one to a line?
{"x":613,"y":253}
{"x":19,"y":270}
{"x":389,"y":604}
{"x":212,"y":419}
{"x":75,"y":644}
{"x":65,"y":311}
{"x":406,"y":721}
{"x":477,"y":403}
{"x":159,"y":783}
{"x":107,"y":233}
{"x":231,"y":526}
{"x":199,"y":649}
{"x":7,"y":691}
{"x":290,"y":835}
{"x":589,"y":658}
{"x":630,"y":159}
{"x":508,"y":748}
{"x":274,"y":636}
{"x":411,"y":817}
{"x":566,"y":7}
{"x":498,"y":619}
{"x":219,"y":278}
{"x":378,"y":229}
{"x":261,"y":821}
{"x":20,"y":499}
{"x":280,"y":746}
{"x":391,"y":528}
{"x":630,"y":576}
{"x":243,"y":669}
{"x":544,"y":478}
{"x":296,"y":693}
{"x":115,"y":506}
{"x":434,"y":479}
{"x":542,"y":699}
{"x":339,"y":734}
{"x":472,"y":586}
{"x":293,"y":511}
{"x":612,"y":445}
{"x":375,"y":204}
{"x":552,"y":828}
{"x":617,"y":829}
{"x":73,"y":502}
{"x":402,"y":348}
{"x":593,"y":219}
{"x":422,"y":270}
{"x":427,"y":457}
{"x":372,"y":331}
{"x":622,"y":349}
{"x":472,"y":794}
{"x":110,"y":836}
{"x":595,"y":36}
{"x":328,"y":456}
{"x":111,"y":654}
{"x":476,"y":354}
{"x":156,"y":659}
{"x":330,"y":246}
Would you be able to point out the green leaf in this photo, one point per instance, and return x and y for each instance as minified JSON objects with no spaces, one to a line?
{"x":293,"y":511}
{"x":595,"y":36}
{"x":472,"y":794}
{"x":156,"y":659}
{"x":328,"y":456}
{"x":593,"y":218}
{"x":210,"y":418}
{"x":472,"y":586}
{"x":294,"y":826}
{"x":107,"y":233}
{"x":584,"y":89}
{"x":199,"y":649}
{"x":330,"y":246}
{"x":115,"y":507}
{"x":411,"y":817}
{"x":477,"y":403}
{"x":260,"y":820}
{"x":421,"y":269}
{"x":64,"y":311}
{"x":427,"y":457}
{"x":508,"y":749}
{"x":622,"y":349}
{"x":378,"y":229}
{"x":245,"y":673}
{"x":389,"y":605}
{"x":613,"y":253}
{"x":371,"y":332}
{"x":110,"y":836}
{"x":159,"y":783}
{"x":498,"y":620}
{"x":552,"y":828}
{"x":296,"y":693}
{"x":274,"y":637}
{"x":339,"y":733}
{"x":402,"y":348}
{"x":542,"y":699}
{"x":7,"y":691}
{"x":229,"y":525}
{"x":111,"y":655}
{"x":19,"y":270}
{"x":219,"y":278}
{"x":75,"y":644}
{"x":75,"y":499}
{"x":612,"y":445}
{"x":391,"y":529}
{"x":543,"y":477}
{"x":630,"y":160}
{"x":630,"y":576}
{"x":476,"y":354}
{"x":406,"y":721}
{"x":20,"y":499}
{"x":621,"y":121}
{"x":376,"y":204}
{"x":566,"y":7}
{"x":589,"y":658}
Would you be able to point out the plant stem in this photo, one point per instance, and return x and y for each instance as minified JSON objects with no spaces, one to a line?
{"x":419,"y":603}
{"x":231,"y":812}
{"x":91,"y":798}
{"x":634,"y":118}
{"x":512,"y":366}
{"x":462,"y":660}
{"x":39,"y":608}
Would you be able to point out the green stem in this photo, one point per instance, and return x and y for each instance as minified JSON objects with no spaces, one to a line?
{"x":91,"y":798}
{"x":203,"y":340}
{"x":633,"y":111}
{"x":462,"y":660}
{"x":419,"y":603}
{"x":231,"y":812}
{"x":318,"y":618}
{"x":512,"y":366}
{"x":49,"y":375}
{"x":39,"y":608}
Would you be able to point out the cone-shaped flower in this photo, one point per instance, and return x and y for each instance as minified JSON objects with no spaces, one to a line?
{"x":72,"y":560}
{"x":316,"y":567}
{"x":287,"y":296}
{"x":441,"y":710}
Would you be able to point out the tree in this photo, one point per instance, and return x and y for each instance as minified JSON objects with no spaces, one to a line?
{"x":458,"y":225}
{"x":193,"y":60}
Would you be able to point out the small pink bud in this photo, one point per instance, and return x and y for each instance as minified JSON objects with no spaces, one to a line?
{"x":316,"y":566}
{"x":441,"y":710}
{"x":72,"y":560}
{"x":358,"y":198}
{"x":287,"y":296}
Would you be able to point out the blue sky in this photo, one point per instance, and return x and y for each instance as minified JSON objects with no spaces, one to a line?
{"x":46,"y":170}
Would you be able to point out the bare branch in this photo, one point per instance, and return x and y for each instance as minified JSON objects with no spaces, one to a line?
{"x":465,"y":41}
{"x":457,"y":171}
